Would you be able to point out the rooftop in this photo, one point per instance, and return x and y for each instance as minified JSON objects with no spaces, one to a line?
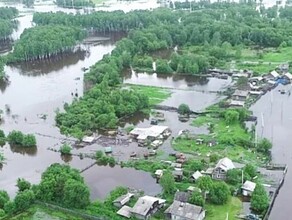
{"x":153,"y":131}
{"x":125,"y":211}
{"x":242,"y":93}
{"x":123,"y":199}
{"x":181,"y":196}
{"x":184,"y":210}
{"x":144,"y":204}
{"x":249,"y":186}
{"x":274,"y":74}
{"x":196,"y":175}
{"x":236,"y":103}
{"x":225,"y":164}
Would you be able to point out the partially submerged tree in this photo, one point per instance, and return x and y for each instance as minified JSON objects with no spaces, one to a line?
{"x":184,"y":109}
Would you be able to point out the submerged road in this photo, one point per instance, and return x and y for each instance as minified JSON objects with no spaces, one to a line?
{"x":274,"y":111}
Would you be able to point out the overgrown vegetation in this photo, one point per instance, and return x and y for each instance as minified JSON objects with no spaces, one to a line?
{"x":20,"y":139}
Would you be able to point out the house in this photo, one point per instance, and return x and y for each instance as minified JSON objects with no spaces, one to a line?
{"x":182,"y":196}
{"x":248,"y":188}
{"x":146,"y":206}
{"x":221,"y":168}
{"x":184,"y":211}
{"x":196,"y":175}
{"x":288,"y":76}
{"x":273,"y":75}
{"x":235,"y":103}
{"x":178,"y":174}
{"x":240,"y":95}
{"x":125,"y":211}
{"x":150,"y":134}
{"x":122,"y":200}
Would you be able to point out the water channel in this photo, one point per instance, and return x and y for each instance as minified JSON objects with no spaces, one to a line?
{"x":42,"y":87}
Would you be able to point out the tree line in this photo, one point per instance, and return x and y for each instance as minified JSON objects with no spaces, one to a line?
{"x":74,"y":3}
{"x":43,"y":42}
{"x":7,"y":24}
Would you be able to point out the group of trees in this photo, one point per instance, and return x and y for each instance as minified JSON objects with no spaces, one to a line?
{"x":75,"y":3}
{"x":45,"y":41}
{"x":236,"y":176}
{"x":20,"y":139}
{"x":101,"y":107}
{"x":6,"y":23}
{"x":63,"y":185}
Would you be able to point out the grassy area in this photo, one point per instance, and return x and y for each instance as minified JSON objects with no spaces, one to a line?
{"x":278,"y":55}
{"x":38,"y":212}
{"x":219,"y":212}
{"x":155,"y":94}
{"x":257,"y":68}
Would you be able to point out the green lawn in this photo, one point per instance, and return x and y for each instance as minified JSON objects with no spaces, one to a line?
{"x":38,"y":212}
{"x":155,"y":94}
{"x":278,"y":55}
{"x":219,"y":212}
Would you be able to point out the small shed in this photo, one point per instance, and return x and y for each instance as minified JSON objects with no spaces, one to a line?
{"x":196,"y":175}
{"x":88,"y":139}
{"x":122,"y":200}
{"x":236,"y":103}
{"x":240,"y":95}
{"x":158,"y":173}
{"x":248,"y":188}
{"x":274,"y":74}
{"x":178,"y":174}
{"x":192,"y":189}
{"x":288,"y":76}
{"x":108,"y":150}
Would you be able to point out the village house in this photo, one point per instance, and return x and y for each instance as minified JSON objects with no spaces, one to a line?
{"x":178,"y":174}
{"x":122,"y":200}
{"x":184,"y":211}
{"x":143,"y":135}
{"x":288,"y":76}
{"x":196,"y":175}
{"x":248,"y":188}
{"x":273,"y":75}
{"x":125,"y":211}
{"x":158,"y":174}
{"x":146,"y":206}
{"x":221,"y":168}
{"x":240,"y":95}
{"x":235,"y":103}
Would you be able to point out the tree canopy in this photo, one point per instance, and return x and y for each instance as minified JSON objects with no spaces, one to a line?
{"x":259,"y":199}
{"x":45,"y":41}
{"x":63,"y":185}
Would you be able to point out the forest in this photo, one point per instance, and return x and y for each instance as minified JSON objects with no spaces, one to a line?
{"x":43,"y":42}
{"x":202,"y":43}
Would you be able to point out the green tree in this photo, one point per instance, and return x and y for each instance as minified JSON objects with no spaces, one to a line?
{"x":184,"y":109}
{"x":234,"y":176}
{"x":9,"y":207}
{"x":219,"y":193}
{"x":76,"y":194}
{"x":250,"y":171}
{"x":23,"y":200}
{"x":22,"y":184}
{"x":28,"y":140}
{"x":168,"y":183}
{"x":205,"y":183}
{"x":231,"y":116}
{"x":65,"y":149}
{"x":4,"y":198}
{"x":264,"y":145}
{"x":259,"y":199}
{"x":197,"y":199}
{"x":15,"y":137}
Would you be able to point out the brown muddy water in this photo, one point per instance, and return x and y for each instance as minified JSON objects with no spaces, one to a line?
{"x":275,"y":123}
{"x":40,"y":88}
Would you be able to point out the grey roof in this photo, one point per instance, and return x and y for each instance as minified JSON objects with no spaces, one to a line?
{"x":182,"y":196}
{"x":184,"y":210}
{"x":177,"y":172}
{"x":196,"y":175}
{"x":249,"y":186}
{"x":123,"y":199}
{"x":242,"y":93}
{"x":144,"y":204}
{"x":225,"y":164}
{"x":125,"y":211}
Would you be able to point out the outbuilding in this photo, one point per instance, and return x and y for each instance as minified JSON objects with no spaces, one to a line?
{"x":248,"y":188}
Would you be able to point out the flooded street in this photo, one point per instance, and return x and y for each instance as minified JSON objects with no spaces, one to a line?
{"x":275,"y":109}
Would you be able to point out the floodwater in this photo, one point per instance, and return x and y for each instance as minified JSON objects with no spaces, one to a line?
{"x":274,"y":122}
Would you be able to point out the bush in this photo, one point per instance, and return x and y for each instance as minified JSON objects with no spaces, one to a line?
{"x":15,"y":137}
{"x":259,"y":199}
{"x":9,"y":207}
{"x":98,"y":154}
{"x":22,"y":184}
{"x":4,"y":198}
{"x":197,"y":199}
{"x":65,"y":149}
{"x":28,"y":141}
{"x":219,"y":193}
{"x":184,"y":109}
